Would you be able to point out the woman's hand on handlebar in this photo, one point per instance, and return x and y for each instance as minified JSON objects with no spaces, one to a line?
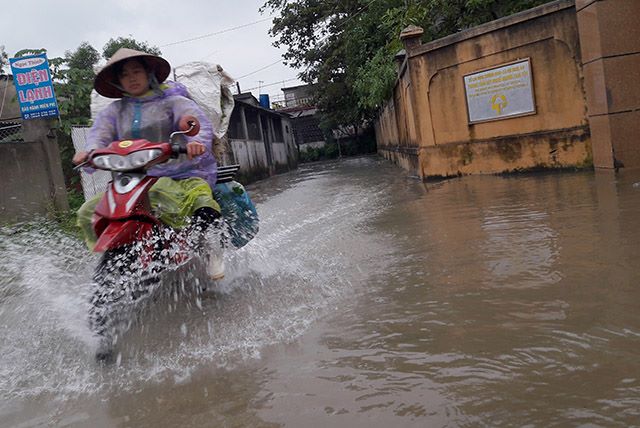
{"x":80,"y":157}
{"x":195,"y":149}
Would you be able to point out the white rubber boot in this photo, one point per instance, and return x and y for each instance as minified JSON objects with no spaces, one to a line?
{"x":215,"y":266}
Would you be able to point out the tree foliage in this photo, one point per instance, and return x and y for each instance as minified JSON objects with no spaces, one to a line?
{"x":27,"y":52}
{"x":347,"y":47}
{"x":85,"y":57}
{"x":74,"y":75}
{"x":127,"y":42}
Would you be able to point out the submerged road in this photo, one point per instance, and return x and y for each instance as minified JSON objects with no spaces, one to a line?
{"x":367,"y":299}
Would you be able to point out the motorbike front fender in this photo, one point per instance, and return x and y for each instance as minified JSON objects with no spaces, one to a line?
{"x":119,"y":233}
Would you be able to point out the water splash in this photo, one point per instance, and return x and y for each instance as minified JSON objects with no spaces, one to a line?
{"x":275,"y":288}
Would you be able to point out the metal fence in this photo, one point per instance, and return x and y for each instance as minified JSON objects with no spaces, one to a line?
{"x":10,"y":132}
{"x":92,"y":184}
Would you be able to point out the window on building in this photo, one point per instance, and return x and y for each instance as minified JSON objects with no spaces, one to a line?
{"x":253,"y":126}
{"x":277,"y":129}
{"x":236,"y":131}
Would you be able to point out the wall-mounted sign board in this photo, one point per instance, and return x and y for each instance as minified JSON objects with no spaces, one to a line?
{"x":500,"y":92}
{"x":34,"y":87}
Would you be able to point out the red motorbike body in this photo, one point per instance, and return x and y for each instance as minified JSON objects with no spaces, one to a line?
{"x":123,"y":215}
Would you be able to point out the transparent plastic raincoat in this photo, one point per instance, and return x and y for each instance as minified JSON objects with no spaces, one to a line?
{"x":154,"y":116}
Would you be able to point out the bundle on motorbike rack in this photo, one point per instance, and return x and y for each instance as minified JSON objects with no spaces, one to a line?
{"x":227,"y":172}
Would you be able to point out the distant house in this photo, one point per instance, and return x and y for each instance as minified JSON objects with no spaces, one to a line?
{"x":296,"y":97}
{"x":298,"y":104}
{"x":261,"y":139}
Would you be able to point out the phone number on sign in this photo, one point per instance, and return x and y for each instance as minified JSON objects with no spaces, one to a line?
{"x":41,"y":114}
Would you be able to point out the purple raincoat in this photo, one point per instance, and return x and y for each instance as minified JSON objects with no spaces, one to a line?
{"x":154,"y":117}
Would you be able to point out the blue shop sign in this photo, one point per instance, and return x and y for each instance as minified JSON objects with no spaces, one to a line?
{"x":34,"y":87}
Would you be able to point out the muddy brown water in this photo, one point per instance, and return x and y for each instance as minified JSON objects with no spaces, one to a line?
{"x":368,"y":299}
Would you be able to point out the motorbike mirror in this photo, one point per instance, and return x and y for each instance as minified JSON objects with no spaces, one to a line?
{"x":190,"y":125}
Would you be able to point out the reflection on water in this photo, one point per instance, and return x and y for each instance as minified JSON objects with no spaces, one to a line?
{"x":368,"y":299}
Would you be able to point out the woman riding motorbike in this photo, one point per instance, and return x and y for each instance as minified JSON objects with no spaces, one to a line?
{"x":148,"y":109}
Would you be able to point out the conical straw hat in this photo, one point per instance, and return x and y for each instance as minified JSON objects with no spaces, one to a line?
{"x":106,"y":82}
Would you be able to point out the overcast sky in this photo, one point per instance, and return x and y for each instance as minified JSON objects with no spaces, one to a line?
{"x":62,"y":25}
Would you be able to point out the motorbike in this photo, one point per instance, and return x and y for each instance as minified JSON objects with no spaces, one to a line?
{"x":136,"y":246}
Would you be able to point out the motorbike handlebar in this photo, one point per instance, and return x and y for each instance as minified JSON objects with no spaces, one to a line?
{"x":80,"y":165}
{"x":178,"y":149}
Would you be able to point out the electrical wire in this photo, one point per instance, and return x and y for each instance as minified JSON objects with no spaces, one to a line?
{"x":204,"y":36}
{"x":270,"y":84}
{"x":319,"y":41}
{"x":356,"y":14}
{"x":260,"y":69}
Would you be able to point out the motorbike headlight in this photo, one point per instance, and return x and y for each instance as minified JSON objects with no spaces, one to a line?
{"x":119,"y":163}
{"x":142,"y":157}
{"x":135,"y":160}
{"x":104,"y":161}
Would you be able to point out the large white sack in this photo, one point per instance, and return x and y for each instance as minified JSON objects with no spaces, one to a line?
{"x":98,"y":102}
{"x":208,"y":85}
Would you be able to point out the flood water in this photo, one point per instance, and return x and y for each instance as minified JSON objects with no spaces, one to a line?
{"x":368,"y":299}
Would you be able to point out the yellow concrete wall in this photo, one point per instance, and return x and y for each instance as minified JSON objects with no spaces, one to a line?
{"x":610,"y":46}
{"x":429,"y":104}
{"x":387,"y":126}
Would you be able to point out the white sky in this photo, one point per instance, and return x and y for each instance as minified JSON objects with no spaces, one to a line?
{"x":62,"y":25}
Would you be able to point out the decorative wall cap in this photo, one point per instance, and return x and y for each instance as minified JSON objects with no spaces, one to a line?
{"x":412,"y":31}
